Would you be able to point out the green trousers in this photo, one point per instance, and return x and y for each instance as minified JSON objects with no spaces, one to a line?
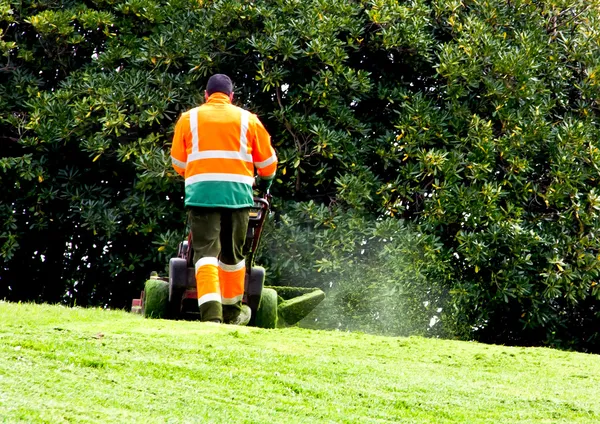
{"x":218,"y":233}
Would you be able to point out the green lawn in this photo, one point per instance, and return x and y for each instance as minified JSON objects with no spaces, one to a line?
{"x":88,"y":365}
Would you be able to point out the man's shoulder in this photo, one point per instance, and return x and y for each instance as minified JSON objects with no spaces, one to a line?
{"x":252,"y":117}
{"x":238,"y":110}
{"x":241,"y":109}
{"x":186,"y":114}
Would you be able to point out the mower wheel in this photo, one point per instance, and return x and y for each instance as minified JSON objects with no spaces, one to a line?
{"x":178,"y":272}
{"x":254,"y":290}
{"x":266,"y":314}
{"x":156,"y":298}
{"x":177,"y":281}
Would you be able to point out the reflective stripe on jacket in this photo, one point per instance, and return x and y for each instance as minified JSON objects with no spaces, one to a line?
{"x":215,"y":148}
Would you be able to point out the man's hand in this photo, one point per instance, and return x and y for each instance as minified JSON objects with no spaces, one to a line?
{"x":262,"y":186}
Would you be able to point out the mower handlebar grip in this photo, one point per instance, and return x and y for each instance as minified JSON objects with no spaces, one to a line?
{"x":264,"y":203}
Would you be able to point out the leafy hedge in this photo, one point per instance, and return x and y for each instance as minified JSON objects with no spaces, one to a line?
{"x":474,"y":120}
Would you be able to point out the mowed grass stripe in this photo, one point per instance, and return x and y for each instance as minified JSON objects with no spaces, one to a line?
{"x":89,"y":365}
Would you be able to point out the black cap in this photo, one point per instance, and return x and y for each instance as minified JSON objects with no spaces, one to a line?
{"x":219,"y":83}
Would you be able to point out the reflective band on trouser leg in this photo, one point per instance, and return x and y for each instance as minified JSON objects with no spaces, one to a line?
{"x":231,"y":278}
{"x":209,"y":292}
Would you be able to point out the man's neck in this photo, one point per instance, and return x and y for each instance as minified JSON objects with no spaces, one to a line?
{"x":218,"y":98}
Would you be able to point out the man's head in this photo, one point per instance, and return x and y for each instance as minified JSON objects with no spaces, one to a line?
{"x":219,"y":83}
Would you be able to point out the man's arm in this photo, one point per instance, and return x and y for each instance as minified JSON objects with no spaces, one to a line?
{"x":178,"y":148}
{"x":263,"y":155}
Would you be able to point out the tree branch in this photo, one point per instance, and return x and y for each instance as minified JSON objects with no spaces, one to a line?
{"x":8,"y":68}
{"x":556,"y":24}
{"x":286,"y":123}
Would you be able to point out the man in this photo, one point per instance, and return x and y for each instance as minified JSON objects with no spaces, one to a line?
{"x":215,"y":148}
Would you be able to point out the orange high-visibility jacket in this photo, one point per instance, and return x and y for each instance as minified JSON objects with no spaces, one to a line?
{"x":215,"y":148}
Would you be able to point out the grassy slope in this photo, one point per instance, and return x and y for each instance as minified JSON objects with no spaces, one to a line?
{"x":88,"y":365}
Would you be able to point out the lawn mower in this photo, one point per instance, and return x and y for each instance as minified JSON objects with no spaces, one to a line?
{"x":175,"y":297}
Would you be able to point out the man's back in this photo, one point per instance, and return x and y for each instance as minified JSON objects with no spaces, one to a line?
{"x":221,"y":126}
{"x":215,"y":148}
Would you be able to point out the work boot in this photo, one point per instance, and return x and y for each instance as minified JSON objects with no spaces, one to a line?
{"x":243,"y":317}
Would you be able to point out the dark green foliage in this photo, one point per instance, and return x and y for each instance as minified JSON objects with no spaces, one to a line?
{"x":509,"y":181}
{"x":474,"y":120}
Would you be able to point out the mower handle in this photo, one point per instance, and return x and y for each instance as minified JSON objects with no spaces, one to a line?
{"x":263,"y":201}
